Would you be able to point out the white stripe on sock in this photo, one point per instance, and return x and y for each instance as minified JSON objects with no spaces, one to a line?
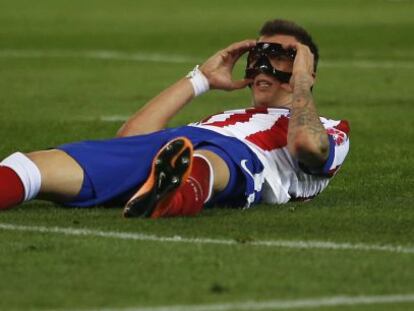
{"x":210,"y":167}
{"x":28,"y":173}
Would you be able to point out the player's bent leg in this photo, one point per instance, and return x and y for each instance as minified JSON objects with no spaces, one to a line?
{"x":179,"y":183}
{"x":170,"y":167}
{"x":190,"y":197}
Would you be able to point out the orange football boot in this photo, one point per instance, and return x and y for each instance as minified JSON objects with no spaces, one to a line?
{"x":170,"y":168}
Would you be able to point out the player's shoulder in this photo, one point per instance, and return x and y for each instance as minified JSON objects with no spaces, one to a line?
{"x":341,"y":125}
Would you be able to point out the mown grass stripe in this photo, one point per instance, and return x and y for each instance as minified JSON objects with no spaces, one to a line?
{"x":178,"y":239}
{"x":174,"y":58}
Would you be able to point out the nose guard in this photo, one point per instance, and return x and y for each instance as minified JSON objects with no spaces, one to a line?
{"x":264,"y":66}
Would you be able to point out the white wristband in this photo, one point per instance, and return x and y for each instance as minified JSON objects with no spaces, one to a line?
{"x":198,"y":81}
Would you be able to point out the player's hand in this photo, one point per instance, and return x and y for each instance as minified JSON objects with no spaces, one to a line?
{"x":303,"y":65}
{"x":218,"y":68}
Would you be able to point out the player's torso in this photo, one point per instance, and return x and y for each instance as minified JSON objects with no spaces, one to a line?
{"x":265,"y":130}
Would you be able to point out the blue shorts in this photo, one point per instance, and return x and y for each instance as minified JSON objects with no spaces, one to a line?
{"x":114,"y":169}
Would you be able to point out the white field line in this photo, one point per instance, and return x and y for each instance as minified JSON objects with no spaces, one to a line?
{"x":104,"y":118}
{"x":100,"y":55}
{"x":178,"y":239}
{"x":368,"y":64}
{"x":113,"y":118}
{"x":174,"y":58}
{"x":310,"y":303}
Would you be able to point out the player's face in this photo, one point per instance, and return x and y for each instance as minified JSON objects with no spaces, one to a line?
{"x":267,"y":91}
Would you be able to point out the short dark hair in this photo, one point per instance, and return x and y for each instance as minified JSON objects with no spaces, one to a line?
{"x":285,"y":27}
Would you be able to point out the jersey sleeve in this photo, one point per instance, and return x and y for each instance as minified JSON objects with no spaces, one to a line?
{"x":338,"y":135}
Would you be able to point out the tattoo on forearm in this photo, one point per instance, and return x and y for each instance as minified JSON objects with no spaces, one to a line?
{"x":304,"y":115}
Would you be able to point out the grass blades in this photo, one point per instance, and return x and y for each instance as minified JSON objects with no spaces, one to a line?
{"x":74,"y":70}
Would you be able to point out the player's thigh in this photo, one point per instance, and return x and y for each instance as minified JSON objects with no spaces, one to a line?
{"x":62,"y":176}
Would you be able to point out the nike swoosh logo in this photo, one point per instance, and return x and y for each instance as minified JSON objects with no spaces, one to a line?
{"x":244,"y":166}
{"x":257,"y":178}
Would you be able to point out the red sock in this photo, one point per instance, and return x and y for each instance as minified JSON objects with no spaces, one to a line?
{"x":11,"y":188}
{"x":189,"y":198}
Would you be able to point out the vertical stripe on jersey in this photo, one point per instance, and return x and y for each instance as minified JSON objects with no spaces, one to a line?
{"x":273,"y":138}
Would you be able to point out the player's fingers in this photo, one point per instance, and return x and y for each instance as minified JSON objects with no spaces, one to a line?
{"x":296,"y":45}
{"x":242,"y":44}
{"x":240,"y":84}
{"x":300,"y":48}
{"x":235,"y":49}
{"x":241,"y":47}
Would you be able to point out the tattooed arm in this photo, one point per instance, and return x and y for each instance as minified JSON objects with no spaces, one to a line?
{"x":307,"y":138}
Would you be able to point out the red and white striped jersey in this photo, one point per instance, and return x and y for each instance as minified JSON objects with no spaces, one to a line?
{"x":265,"y":130}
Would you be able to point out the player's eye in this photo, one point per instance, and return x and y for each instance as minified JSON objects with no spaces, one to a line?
{"x":252,"y":58}
{"x":278,"y":57}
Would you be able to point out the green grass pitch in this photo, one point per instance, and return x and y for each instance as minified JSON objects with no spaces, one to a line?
{"x":71,"y":70}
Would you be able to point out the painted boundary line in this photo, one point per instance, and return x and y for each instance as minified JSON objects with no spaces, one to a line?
{"x":100,"y":55}
{"x":174,"y":58}
{"x":178,"y":239}
{"x":277,"y":304}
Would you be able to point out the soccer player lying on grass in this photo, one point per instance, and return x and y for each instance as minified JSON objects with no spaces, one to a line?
{"x":276,"y":151}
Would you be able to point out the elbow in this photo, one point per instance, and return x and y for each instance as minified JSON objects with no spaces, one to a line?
{"x":122,"y":132}
{"x":126,"y":131}
{"x":308,"y":150}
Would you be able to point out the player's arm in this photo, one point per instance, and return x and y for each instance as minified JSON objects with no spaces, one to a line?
{"x":307,"y":138}
{"x":158,"y":111}
{"x":217,"y":70}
